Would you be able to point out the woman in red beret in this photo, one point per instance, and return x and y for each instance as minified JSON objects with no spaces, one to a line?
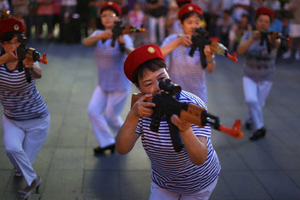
{"x":26,"y":118}
{"x":191,"y":173}
{"x":259,"y":67}
{"x":110,"y":95}
{"x":183,"y":69}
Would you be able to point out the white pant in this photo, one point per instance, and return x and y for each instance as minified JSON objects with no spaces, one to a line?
{"x":23,"y":140}
{"x":152,"y":29}
{"x":255,"y":96}
{"x":163,"y":194}
{"x":104,"y":111}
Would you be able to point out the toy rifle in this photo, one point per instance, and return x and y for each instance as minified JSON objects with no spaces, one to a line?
{"x":167,"y":105}
{"x":265,"y":36}
{"x":201,"y":39}
{"x":120,"y":29}
{"x":28,"y":53}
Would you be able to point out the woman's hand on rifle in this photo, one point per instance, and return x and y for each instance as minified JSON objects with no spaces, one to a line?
{"x":256,"y":35}
{"x":107,"y":34}
{"x":143,"y":107}
{"x":196,"y":147}
{"x":209,"y":52}
{"x":34,"y":68}
{"x":8,"y":57}
{"x":274,"y":39}
{"x":91,"y":40}
{"x":185,"y":40}
{"x":121,"y":39}
{"x":182,"y":125}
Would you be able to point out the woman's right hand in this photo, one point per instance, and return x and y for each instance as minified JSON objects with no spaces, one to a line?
{"x":143,"y":106}
{"x":10,"y":56}
{"x":107,"y":34}
{"x":185,"y":40}
{"x":256,"y":35}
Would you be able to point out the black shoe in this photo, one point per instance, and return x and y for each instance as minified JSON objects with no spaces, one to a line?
{"x":258,"y":134}
{"x":249,"y":126}
{"x":25,"y":193}
{"x":99,"y":150}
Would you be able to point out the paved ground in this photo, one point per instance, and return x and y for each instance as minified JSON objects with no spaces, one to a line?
{"x":266,"y":169}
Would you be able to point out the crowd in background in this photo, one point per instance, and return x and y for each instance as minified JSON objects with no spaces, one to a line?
{"x":68,"y":21}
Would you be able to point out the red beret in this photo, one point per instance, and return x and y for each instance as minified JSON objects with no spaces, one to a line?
{"x":139,"y":56}
{"x":265,"y":11}
{"x":11,"y":24}
{"x":113,"y":5}
{"x":188,"y":8}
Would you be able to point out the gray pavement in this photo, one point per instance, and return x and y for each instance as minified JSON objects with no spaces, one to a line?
{"x":261,"y":170}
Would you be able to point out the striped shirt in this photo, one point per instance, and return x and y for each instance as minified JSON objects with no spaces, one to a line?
{"x":185,"y":70}
{"x":110,"y":61}
{"x":259,"y":64}
{"x":172,"y":170}
{"x":21,"y":100}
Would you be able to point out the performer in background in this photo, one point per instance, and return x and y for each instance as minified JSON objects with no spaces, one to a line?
{"x":110,"y":95}
{"x":258,"y":70}
{"x":184,"y":69}
{"x":191,"y":173}
{"x":26,"y":118}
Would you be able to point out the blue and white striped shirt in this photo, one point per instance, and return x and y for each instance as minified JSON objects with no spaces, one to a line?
{"x":172,"y":170}
{"x":110,"y":61}
{"x":185,"y":70}
{"x":21,"y":100}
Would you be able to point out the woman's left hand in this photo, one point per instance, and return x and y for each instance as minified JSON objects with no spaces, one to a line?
{"x":208,"y":53}
{"x":28,"y":64}
{"x":121,"y":39}
{"x":272,"y":37}
{"x":182,"y":125}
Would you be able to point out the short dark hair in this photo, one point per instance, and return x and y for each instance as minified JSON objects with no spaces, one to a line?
{"x":187,"y":15}
{"x":111,"y":9}
{"x":152,"y":65}
{"x":8,"y":36}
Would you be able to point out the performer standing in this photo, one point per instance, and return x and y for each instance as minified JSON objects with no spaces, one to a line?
{"x":191,"y":173}
{"x":184,"y":69}
{"x":26,"y":118}
{"x":113,"y":88}
{"x":258,"y":70}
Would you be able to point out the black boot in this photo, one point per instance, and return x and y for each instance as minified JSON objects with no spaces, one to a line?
{"x":258,"y":134}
